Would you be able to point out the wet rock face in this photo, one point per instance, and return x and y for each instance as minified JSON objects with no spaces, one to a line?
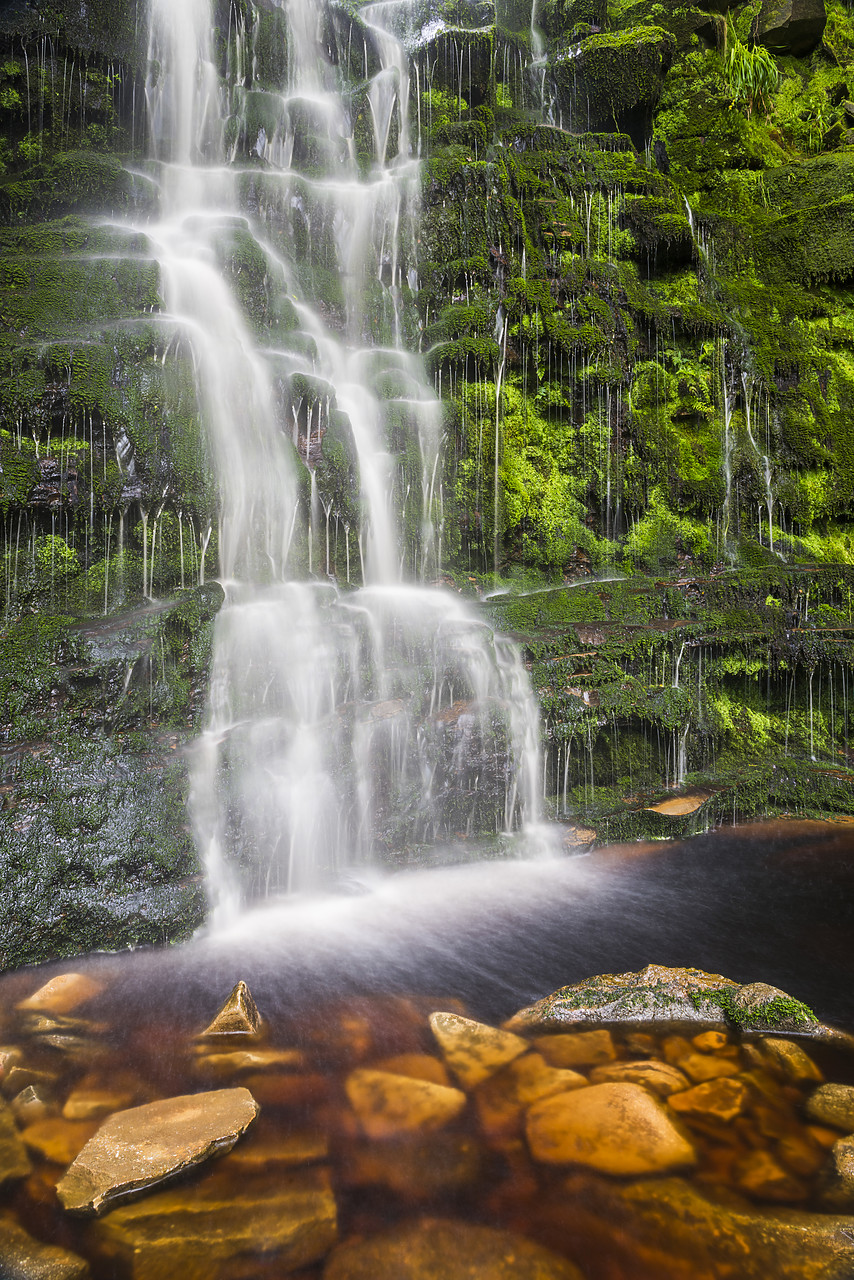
{"x":791,"y":26}
{"x":432,"y":1248}
{"x":137,"y":1149}
{"x":24,"y":1258}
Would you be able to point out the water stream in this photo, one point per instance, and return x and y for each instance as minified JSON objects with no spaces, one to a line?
{"x":339,"y":722}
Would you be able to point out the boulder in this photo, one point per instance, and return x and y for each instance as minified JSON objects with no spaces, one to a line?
{"x":836,"y":1185}
{"x":616,"y":1128}
{"x":198,"y":1231}
{"x":833,"y":1104}
{"x":791,"y":26}
{"x":138,"y":1149}
{"x":473,"y":1050}
{"x":442,"y":1249}
{"x":387,"y":1105}
{"x":23,"y":1258}
{"x":14,"y":1161}
{"x":614,"y":78}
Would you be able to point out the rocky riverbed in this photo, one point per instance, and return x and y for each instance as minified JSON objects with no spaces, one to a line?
{"x":632,"y":1126}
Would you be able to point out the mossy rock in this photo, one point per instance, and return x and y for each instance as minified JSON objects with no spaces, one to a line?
{"x":615,"y":79}
{"x":791,"y":26}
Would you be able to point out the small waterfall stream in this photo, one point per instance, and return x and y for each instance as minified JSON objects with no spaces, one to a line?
{"x":340,"y":723}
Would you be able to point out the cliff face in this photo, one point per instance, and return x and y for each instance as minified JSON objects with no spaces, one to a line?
{"x":633,"y":290}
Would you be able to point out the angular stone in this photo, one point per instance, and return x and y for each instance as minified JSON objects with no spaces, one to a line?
{"x":473,"y":1050}
{"x":579,"y":1049}
{"x":14,"y":1161}
{"x":706,"y":1066}
{"x":203,"y":1230}
{"x":791,"y":26}
{"x":715,"y":1100}
{"x":659,"y":1077}
{"x":10,"y":1056}
{"x":139,"y":1148}
{"x":24,"y":1258}
{"x":833,"y":1104}
{"x":760,"y":1175}
{"x":442,"y":1249}
{"x":19,"y":1077}
{"x":788,"y":1059}
{"x":94,"y":1104}
{"x":654,"y":994}
{"x":387,"y":1105}
{"x":239,"y":1016}
{"x":836,"y":1185}
{"x":616,"y":1128}
{"x":31,"y":1105}
{"x":62,"y":994}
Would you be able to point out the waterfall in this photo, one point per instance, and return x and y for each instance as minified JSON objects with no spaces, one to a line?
{"x":341,"y":723}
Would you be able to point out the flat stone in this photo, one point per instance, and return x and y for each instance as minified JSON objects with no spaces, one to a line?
{"x":95,"y":1104}
{"x":201,"y":1230}
{"x":239,"y":1016}
{"x":137,"y":1149}
{"x":715,"y":1100}
{"x":758,"y":1174}
{"x":24,"y":1258}
{"x":679,"y":1232}
{"x":443,"y":1249}
{"x":707,"y":1066}
{"x":62,"y":994}
{"x":387,"y":1104}
{"x":57,"y":1140}
{"x":680,"y":806}
{"x":225,"y":1066}
{"x":259,"y":1153}
{"x":472,"y":1050}
{"x":653,"y":994}
{"x":615,"y":1128}
{"x":579,"y":1049}
{"x":833,"y":1104}
{"x":787,"y":1059}
{"x":659,"y":1077}
{"x":836,"y":1185}
{"x":14,"y":1161}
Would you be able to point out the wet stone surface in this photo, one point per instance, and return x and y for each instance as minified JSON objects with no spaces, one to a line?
{"x":396,"y":1138}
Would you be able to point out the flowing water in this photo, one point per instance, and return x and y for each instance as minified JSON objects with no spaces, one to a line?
{"x":341,"y":722}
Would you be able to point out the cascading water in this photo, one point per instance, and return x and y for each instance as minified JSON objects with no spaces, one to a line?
{"x":339,"y":722}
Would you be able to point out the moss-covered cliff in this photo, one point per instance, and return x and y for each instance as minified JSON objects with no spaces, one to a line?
{"x":632,"y":283}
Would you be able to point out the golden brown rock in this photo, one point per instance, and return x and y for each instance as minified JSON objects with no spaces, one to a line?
{"x":387,"y":1104}
{"x":62,"y":994}
{"x":787,"y":1059}
{"x":237,"y":1062}
{"x":58,"y":1140}
{"x":237,"y":1017}
{"x":137,"y":1149}
{"x":31,"y":1105}
{"x":418,"y":1167}
{"x":14,"y":1161}
{"x":501,"y":1100}
{"x":259,"y":1153}
{"x":473,"y":1050}
{"x":759,"y":1175}
{"x":706,"y":1066}
{"x":24,"y":1258}
{"x":94,"y":1104}
{"x":833,"y":1104}
{"x":581,"y":1049}
{"x":420,"y":1066}
{"x":443,"y":1249}
{"x":659,"y":1077}
{"x":710,"y":1041}
{"x":616,"y":1128}
{"x":721,"y":1099}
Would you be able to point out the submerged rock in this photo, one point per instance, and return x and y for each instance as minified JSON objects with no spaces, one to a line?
{"x":23,"y":1258}
{"x":836,"y":1188}
{"x":193,"y":1231}
{"x":785,"y":1058}
{"x":833,"y":1104}
{"x":581,"y":1049}
{"x":387,"y":1104}
{"x":473,"y":1050}
{"x":137,"y":1149}
{"x":615,"y":1128}
{"x":442,"y":1249}
{"x":239,"y":1016}
{"x":14,"y":1161}
{"x":62,"y":994}
{"x":659,"y":1077}
{"x":719,"y":1099}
